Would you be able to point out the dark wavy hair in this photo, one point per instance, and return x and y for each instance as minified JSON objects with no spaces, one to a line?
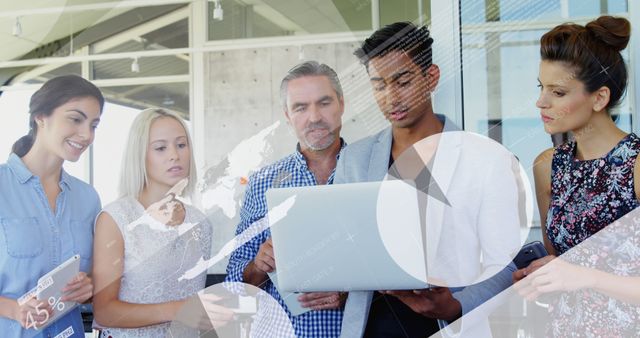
{"x":53,"y":94}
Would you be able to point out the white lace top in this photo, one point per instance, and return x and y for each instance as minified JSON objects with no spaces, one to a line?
{"x":155,"y":256}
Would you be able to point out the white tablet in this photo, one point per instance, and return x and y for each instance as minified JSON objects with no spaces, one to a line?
{"x":50,"y":289}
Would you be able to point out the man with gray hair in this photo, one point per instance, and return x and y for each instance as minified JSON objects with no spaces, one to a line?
{"x":313,"y":105}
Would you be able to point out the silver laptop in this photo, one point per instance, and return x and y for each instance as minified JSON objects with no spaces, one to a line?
{"x":347,"y":237}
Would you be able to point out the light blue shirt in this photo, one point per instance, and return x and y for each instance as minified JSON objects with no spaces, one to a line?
{"x":34,"y":240}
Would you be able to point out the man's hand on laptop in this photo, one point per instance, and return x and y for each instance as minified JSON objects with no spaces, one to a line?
{"x":264,"y":260}
{"x":323,"y":300}
{"x":256,"y":272}
{"x":435,"y":303}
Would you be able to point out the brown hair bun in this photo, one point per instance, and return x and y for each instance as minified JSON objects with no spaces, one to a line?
{"x":615,"y":32}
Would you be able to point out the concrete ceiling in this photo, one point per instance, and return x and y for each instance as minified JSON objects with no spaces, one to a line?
{"x":312,"y":16}
{"x":57,"y":33}
{"x":41,"y":29}
{"x":49,"y":34}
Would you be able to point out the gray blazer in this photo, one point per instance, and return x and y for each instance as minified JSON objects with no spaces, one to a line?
{"x":481,"y":219}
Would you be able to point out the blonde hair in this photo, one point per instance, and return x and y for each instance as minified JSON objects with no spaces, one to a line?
{"x":133,"y":175}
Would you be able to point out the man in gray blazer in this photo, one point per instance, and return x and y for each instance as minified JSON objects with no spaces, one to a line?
{"x":477,"y":216}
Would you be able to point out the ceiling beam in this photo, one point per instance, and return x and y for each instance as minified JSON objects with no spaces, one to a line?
{"x":140,"y":30}
{"x":114,"y":41}
{"x":211,"y":47}
{"x":90,"y":7}
{"x":274,"y":16}
{"x":129,"y":81}
{"x":523,"y":25}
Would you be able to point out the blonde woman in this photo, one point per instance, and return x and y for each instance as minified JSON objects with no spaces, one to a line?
{"x":138,"y":257}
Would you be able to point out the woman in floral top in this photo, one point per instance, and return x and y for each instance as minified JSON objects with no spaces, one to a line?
{"x":585,"y":188}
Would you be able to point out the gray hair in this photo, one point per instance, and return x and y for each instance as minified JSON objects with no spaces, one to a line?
{"x":133,"y":174}
{"x":309,"y":68}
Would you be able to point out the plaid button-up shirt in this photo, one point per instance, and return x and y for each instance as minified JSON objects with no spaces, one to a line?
{"x":291,"y":171}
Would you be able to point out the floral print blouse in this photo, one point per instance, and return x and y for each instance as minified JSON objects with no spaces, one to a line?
{"x":593,"y":202}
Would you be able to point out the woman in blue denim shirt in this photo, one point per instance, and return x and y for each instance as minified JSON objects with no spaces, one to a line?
{"x":46,"y":215}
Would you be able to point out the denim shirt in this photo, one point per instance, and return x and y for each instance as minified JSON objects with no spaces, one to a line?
{"x":34,"y":240}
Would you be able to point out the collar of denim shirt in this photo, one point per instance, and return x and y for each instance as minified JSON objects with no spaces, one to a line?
{"x":23,"y":174}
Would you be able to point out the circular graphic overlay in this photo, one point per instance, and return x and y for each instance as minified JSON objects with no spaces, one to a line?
{"x":454,"y":209}
{"x":229,"y":310}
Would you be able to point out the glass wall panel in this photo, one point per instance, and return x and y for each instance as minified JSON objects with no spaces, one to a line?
{"x":108,"y":147}
{"x":265,"y":18}
{"x":404,"y":10}
{"x":173,"y":96}
{"x":500,"y":55}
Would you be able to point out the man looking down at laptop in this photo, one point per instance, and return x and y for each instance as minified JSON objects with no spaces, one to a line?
{"x":313,"y":104}
{"x":399,"y":63}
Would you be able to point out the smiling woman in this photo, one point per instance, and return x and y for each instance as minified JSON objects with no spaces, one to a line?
{"x":56,"y":101}
{"x":46,"y":215}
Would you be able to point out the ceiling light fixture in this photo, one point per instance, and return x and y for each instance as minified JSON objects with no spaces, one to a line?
{"x":218,"y":13}
{"x":17,"y":27}
{"x":135,"y":66}
{"x":168,"y":101}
